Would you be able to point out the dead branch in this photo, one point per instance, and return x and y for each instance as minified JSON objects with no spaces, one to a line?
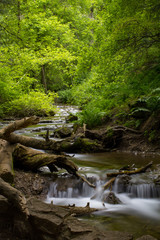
{"x":139,"y":170}
{"x":79,"y":211}
{"x":85,"y":180}
{"x":109,"y":183}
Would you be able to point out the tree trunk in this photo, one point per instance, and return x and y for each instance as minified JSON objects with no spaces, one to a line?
{"x":44,"y":82}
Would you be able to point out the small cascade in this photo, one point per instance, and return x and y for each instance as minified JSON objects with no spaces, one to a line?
{"x":144,"y":190}
{"x":141,"y":190}
{"x":80,"y":189}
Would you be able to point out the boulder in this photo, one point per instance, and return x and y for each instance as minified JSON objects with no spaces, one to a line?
{"x":111,"y":198}
{"x":63,"y":132}
{"x":71,"y":117}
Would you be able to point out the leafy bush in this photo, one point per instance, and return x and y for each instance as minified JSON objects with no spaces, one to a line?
{"x":92,"y":116}
{"x":34,"y":103}
{"x":65,"y":96}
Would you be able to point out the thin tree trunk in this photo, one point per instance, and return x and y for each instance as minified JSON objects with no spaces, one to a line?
{"x":44,"y":82}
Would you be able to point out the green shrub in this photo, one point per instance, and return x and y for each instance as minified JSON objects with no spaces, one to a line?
{"x":65,"y":96}
{"x":92,"y":116}
{"x":34,"y":103}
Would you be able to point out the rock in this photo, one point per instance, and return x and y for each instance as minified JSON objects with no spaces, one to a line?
{"x":112,"y":137}
{"x":81,"y":145}
{"x":111,"y":198}
{"x":48,"y":222}
{"x":32,"y":184}
{"x":93,"y":135}
{"x":157,"y":180}
{"x":146,"y":237}
{"x":122,"y":182}
{"x":86,"y":145}
{"x":63,"y":132}
{"x":71,"y":117}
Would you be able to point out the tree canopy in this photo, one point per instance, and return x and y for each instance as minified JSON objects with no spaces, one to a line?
{"x":103,"y":54}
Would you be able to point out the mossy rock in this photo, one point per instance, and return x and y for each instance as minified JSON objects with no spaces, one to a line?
{"x":86,"y":145}
{"x":81,"y":145}
{"x":63,"y":132}
{"x":71,"y":117}
{"x":111,"y":198}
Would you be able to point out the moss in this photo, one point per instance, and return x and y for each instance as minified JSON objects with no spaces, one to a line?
{"x":86,"y":145}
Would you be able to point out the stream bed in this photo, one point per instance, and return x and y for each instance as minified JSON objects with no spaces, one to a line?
{"x":139,"y":209}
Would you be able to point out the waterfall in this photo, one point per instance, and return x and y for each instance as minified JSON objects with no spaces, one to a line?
{"x":78,"y":190}
{"x":141,"y":190}
{"x":144,"y":190}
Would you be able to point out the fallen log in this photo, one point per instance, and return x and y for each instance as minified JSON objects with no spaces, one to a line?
{"x":15,"y":197}
{"x":136,"y":171}
{"x":6,"y":165}
{"x":32,"y":159}
{"x":7,"y":134}
{"x":19,"y":124}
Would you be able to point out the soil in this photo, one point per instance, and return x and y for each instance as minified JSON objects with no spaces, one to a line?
{"x":128,"y":140}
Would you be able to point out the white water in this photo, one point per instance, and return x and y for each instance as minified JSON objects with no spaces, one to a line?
{"x":145,"y":204}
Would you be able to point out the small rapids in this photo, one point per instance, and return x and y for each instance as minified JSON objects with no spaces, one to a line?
{"x":137,"y":199}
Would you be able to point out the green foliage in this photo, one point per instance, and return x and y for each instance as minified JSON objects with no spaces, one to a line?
{"x":65,"y":96}
{"x":100,"y":55}
{"x":34,"y":103}
{"x":152,"y":135}
{"x":92,"y":116}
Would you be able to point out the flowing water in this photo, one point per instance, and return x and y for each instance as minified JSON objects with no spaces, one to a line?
{"x":139,"y":208}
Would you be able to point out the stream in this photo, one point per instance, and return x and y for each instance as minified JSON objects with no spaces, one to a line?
{"x":139,"y":208}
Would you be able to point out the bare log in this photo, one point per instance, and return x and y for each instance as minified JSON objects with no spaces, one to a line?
{"x":139,"y":170}
{"x":19,"y":124}
{"x":6,"y":165}
{"x":7,"y":134}
{"x":15,"y":197}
